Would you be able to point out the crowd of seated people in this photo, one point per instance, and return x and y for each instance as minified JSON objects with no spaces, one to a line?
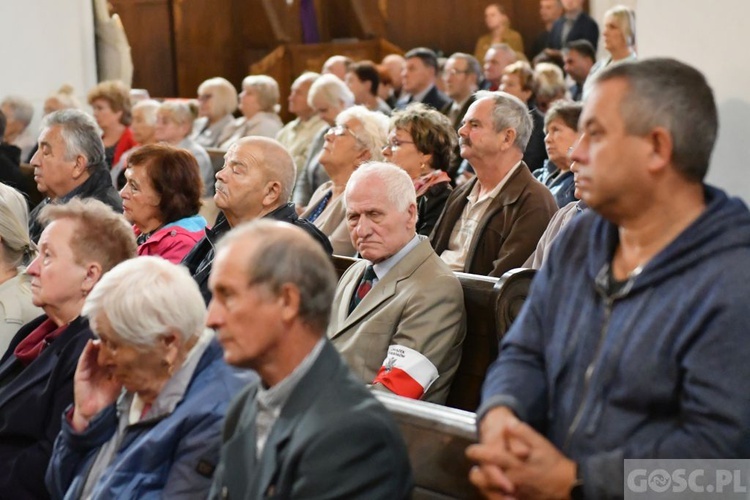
{"x":148,"y":351}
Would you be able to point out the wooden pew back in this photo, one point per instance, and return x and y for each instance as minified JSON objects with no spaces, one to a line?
{"x":436,"y":437}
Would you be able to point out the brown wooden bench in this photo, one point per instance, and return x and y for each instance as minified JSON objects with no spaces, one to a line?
{"x":436,"y":437}
{"x":491,"y":306}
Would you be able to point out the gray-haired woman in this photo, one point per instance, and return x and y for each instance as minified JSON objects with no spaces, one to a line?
{"x":150,"y":393}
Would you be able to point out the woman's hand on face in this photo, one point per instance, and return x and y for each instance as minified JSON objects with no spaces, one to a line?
{"x":95,"y":387}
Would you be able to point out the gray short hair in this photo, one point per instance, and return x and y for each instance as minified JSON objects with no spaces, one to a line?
{"x":81,"y":134}
{"x":224,"y":99}
{"x":22,"y":109}
{"x":146,"y":297}
{"x":308,"y":77}
{"x":332,"y":90}
{"x":399,"y":187}
{"x":267,"y":90}
{"x":549,"y":81}
{"x":509,"y":111}
{"x":667,"y":93}
{"x":286,"y":254}
{"x":18,"y":249}
{"x":149,"y":108}
{"x":373,"y":129}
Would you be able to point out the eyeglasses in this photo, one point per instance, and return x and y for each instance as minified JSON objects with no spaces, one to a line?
{"x":394,"y":144}
{"x":340,"y":131}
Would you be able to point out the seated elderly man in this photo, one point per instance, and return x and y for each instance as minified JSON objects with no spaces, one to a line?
{"x":398,"y":316}
{"x":70,"y":164}
{"x":309,"y":429}
{"x":632,"y":343}
{"x":492,"y":223}
{"x":256,"y":181}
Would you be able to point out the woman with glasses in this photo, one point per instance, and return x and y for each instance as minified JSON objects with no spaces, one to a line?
{"x":357,"y":137}
{"x":422,"y":142}
{"x":217,"y":100}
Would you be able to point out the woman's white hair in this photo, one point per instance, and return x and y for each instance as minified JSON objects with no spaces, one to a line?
{"x":146,"y":297}
{"x":372,"y":133}
{"x":332,"y":90}
{"x":267,"y":90}
{"x":149,"y":108}
{"x":398,"y":185}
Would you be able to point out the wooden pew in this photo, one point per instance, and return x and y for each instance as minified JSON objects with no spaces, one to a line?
{"x":436,"y":437}
{"x":491,"y":306}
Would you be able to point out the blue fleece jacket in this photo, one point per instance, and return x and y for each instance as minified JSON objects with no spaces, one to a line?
{"x":668,"y":356}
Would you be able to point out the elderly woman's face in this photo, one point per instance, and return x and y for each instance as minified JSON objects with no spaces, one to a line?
{"x":614,"y":38}
{"x":140,"y":201}
{"x":168,"y":130}
{"x":57,"y":280}
{"x":401,"y":151}
{"x":138,"y":370}
{"x":558,"y":141}
{"x":104,"y":115}
{"x":249,"y":102}
{"x":342,"y":150}
{"x":143,"y":131}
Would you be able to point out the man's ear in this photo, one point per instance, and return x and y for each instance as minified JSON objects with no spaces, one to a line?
{"x":662,"y":148}
{"x":80,"y":167}
{"x":271,"y":193}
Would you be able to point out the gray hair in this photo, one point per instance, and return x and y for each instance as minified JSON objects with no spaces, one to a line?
{"x":308,"y":77}
{"x":399,"y":187}
{"x":509,"y":111}
{"x":149,"y":107}
{"x":332,"y":90}
{"x":81,"y":134}
{"x":18,"y":249}
{"x":507,"y":49}
{"x":667,"y":93}
{"x":286,"y":254}
{"x":267,"y":89}
{"x":180,"y":112}
{"x":472,"y":64}
{"x":224,"y":99}
{"x":146,"y":297}
{"x":22,"y":109}
{"x":373,"y":129}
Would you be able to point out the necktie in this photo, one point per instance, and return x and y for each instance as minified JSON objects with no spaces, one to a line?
{"x":365,"y":285}
{"x":322,"y":204}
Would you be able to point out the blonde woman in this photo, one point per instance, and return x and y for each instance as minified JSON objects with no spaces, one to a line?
{"x":259,"y":103}
{"x":16,"y":251}
{"x":618,"y":36}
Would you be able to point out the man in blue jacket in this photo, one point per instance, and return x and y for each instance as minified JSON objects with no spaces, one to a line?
{"x":633,"y":341}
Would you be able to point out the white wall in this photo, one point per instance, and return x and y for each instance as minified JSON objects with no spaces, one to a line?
{"x":713,"y":37}
{"x":43,"y":44}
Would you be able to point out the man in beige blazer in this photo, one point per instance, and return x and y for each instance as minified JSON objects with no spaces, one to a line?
{"x":398,"y":316}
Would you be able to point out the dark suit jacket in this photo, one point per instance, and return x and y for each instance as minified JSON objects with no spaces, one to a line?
{"x":332,"y":440}
{"x":535,"y":153}
{"x":200,"y":259}
{"x":433,"y":98}
{"x":510,"y":228}
{"x":583,"y":28}
{"x":32,"y":401}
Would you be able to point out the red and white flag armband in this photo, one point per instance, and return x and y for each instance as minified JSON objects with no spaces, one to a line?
{"x":406,"y":372}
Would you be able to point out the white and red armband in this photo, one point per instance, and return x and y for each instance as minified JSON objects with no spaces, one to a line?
{"x":406,"y":372}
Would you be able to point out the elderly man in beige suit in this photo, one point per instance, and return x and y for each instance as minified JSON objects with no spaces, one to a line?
{"x":398,"y":315}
